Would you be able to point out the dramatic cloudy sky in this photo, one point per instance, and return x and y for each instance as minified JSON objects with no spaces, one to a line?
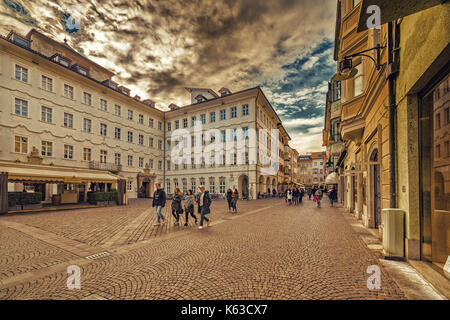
{"x":158,"y":47}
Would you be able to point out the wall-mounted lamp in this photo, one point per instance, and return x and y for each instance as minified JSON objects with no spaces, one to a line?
{"x":346,"y":69}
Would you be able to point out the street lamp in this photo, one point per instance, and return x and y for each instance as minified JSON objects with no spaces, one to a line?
{"x":346,"y":69}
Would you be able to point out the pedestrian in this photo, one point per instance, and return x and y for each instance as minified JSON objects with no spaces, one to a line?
{"x":189,"y":207}
{"x":274,"y":193}
{"x":159,"y":202}
{"x":234,"y":200}
{"x":332,"y":195}
{"x":301,"y":195}
{"x":176,"y":206}
{"x":229,"y":199}
{"x":295,"y":196}
{"x":309,"y":193}
{"x":289,"y":196}
{"x":205,"y":207}
{"x":318,"y":196}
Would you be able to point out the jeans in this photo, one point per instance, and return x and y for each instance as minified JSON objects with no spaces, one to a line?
{"x":190,"y":211}
{"x":159,"y":214}
{"x":203,"y":218}
{"x":331,"y":201}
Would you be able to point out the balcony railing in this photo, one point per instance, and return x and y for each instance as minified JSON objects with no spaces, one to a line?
{"x":95,"y":165}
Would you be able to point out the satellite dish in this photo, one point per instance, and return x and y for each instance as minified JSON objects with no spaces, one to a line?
{"x":346,"y":74}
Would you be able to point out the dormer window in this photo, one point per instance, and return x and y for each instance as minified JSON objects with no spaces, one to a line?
{"x":200,"y":98}
{"x":61,"y":60}
{"x":111,"y":84}
{"x":21,"y":41}
{"x":81,"y":70}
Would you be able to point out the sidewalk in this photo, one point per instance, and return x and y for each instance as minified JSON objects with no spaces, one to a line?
{"x":416,"y":284}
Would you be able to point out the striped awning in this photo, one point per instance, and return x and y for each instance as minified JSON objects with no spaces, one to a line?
{"x":18,"y":172}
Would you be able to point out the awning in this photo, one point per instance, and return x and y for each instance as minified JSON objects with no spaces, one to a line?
{"x":332,"y":178}
{"x":392,"y":10}
{"x":18,"y":172}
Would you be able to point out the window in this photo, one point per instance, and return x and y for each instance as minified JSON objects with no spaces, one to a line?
{"x":245,"y":110}
{"x":245,"y":132}
{"x":117,"y":110}
{"x":141,"y":119}
{"x":21,"y":144}
{"x":212,"y":117}
{"x":151,"y":142}
{"x":46,"y":114}
{"x":103,"y":156}
{"x":193,"y":186}
{"x":159,"y":144}
{"x":194,"y":121}
{"x":130,"y":114}
{"x":185,"y":123}
{"x":117,"y":159}
{"x":233,"y":112}
{"x":150,"y":123}
{"x":103,"y":129}
{"x":141,"y":162}
{"x":203,"y":117}
{"x":68,"y":152}
{"x":87,"y":125}
{"x":446,"y":116}
{"x":141,"y":139}
{"x":224,"y":135}
{"x":47,"y":149}
{"x":130,"y":185}
{"x":130,"y":136}
{"x":358,"y":81}
{"x":87,"y":154}
{"x":87,"y":98}
{"x":47,"y":83}
{"x":160,"y":164}
{"x":438,"y":121}
{"x":21,"y":74}
{"x":21,"y":107}
{"x":160,"y":125}
{"x":168,"y":165}
{"x":168,"y":145}
{"x":222,"y":187}
{"x":168,"y":187}
{"x":103,"y":105}
{"x":177,"y":124}
{"x":223,"y":114}
{"x":130,"y":161}
{"x":68,"y":120}
{"x":212,"y":187}
{"x":68,"y":91}
{"x":184,"y":187}
{"x":169,"y":126}
{"x":117,"y":133}
{"x":151,"y":163}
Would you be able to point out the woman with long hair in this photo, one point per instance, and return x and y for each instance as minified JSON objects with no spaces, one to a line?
{"x":176,"y":206}
{"x":189,"y":207}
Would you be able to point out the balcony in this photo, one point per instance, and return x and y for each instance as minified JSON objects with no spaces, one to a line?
{"x":111,"y":167}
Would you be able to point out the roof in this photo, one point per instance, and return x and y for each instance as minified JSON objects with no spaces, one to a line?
{"x":203,"y":89}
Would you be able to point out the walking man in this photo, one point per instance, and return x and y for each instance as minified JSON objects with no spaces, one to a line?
{"x":159,"y":202}
{"x":319,"y":195}
{"x":332,"y":195}
{"x":229,"y":199}
{"x":204,"y":205}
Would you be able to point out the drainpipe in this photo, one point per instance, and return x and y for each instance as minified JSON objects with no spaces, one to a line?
{"x":392,"y":73}
{"x":164,"y":156}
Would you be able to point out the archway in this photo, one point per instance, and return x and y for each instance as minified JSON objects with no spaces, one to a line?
{"x":261,"y":185}
{"x":268,"y":184}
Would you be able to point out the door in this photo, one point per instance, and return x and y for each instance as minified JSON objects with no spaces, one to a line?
{"x":376,"y":190}
{"x":435,"y":172}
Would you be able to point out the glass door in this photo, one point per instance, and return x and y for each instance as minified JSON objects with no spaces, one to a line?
{"x":435,"y":173}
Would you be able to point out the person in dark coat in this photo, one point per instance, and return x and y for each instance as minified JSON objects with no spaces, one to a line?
{"x":159,"y":202}
{"x":301,"y":195}
{"x":176,"y":206}
{"x":229,"y":199}
{"x":205,"y":207}
{"x":332,"y":195}
{"x":234,"y":200}
{"x":274,"y":193}
{"x":189,"y":207}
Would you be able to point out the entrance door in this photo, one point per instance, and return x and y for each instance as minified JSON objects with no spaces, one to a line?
{"x":435,"y":172}
{"x":376,"y":190}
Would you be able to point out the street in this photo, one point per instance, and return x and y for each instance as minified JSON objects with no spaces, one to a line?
{"x":267,"y":251}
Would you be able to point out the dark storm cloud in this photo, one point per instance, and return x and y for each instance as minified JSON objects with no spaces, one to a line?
{"x":159,"y":47}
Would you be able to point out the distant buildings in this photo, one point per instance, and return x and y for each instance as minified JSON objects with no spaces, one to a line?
{"x":312,"y":169}
{"x":387,"y":128}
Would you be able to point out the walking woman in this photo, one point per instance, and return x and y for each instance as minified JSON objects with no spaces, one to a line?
{"x":204,"y":204}
{"x":176,"y":206}
{"x":229,"y":199}
{"x":234,"y":200}
{"x":189,"y":207}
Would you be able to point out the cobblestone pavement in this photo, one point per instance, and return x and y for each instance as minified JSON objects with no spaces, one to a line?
{"x":268,"y":251}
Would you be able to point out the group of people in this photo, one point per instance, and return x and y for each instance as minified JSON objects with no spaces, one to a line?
{"x":202,"y":199}
{"x":294,"y":196}
{"x":317,"y":194}
{"x":232,"y":199}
